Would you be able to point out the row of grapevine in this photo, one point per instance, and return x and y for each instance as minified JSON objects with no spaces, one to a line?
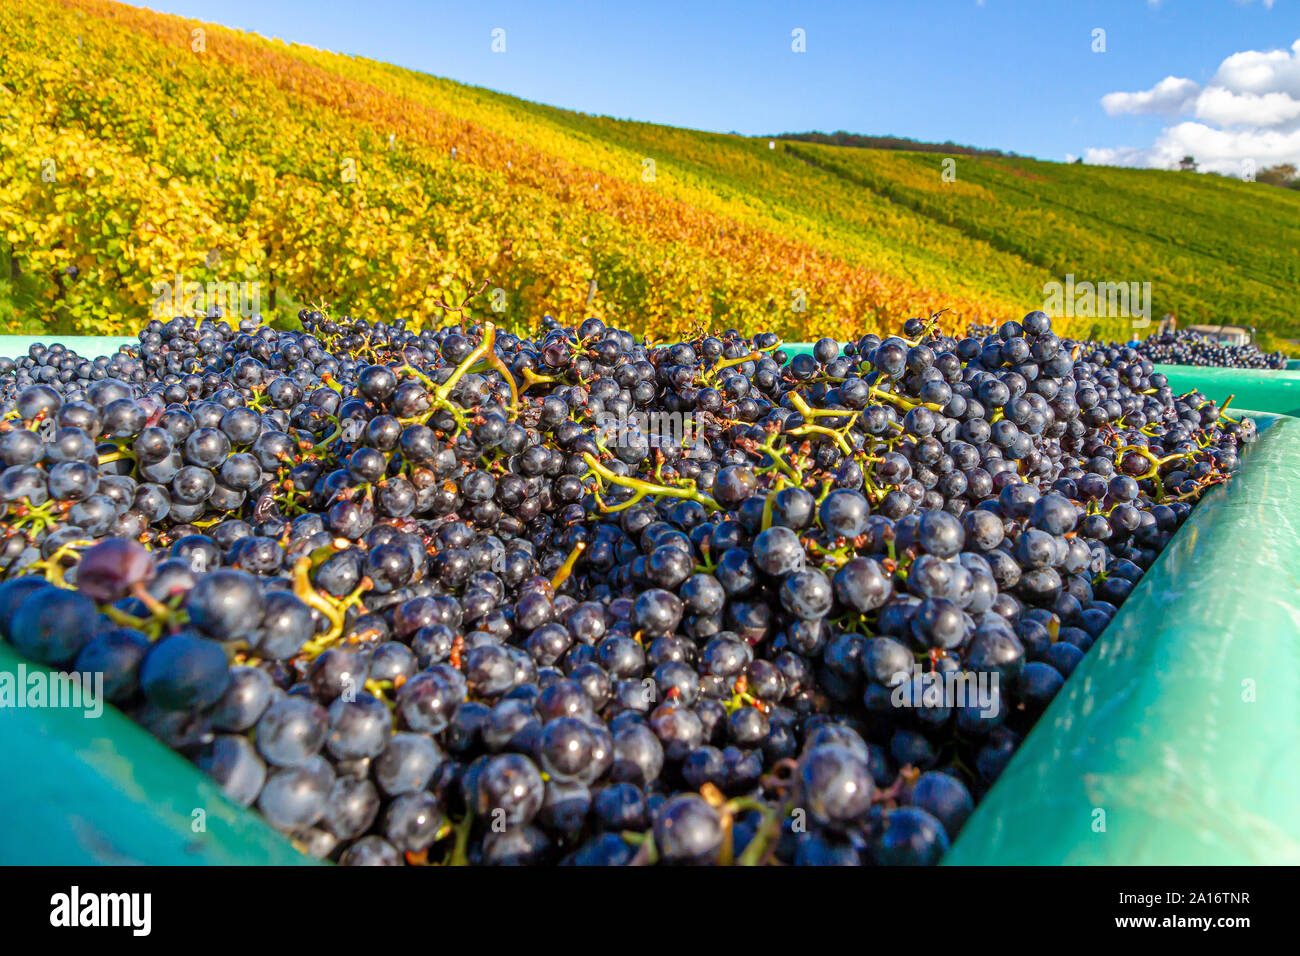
{"x":144,"y":155}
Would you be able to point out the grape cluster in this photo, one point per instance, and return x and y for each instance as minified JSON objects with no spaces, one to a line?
{"x":1185,"y":347}
{"x":465,"y":597}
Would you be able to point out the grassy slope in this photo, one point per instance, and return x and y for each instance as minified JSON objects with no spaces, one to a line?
{"x":1213,"y":249}
{"x":985,"y":244}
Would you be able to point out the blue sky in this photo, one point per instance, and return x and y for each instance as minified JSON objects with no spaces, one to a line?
{"x":1008,"y":74}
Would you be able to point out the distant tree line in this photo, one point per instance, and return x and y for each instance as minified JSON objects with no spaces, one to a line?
{"x":1284,"y":175}
{"x":842,"y":138}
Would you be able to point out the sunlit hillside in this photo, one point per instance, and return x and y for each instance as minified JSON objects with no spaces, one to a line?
{"x":140,"y":152}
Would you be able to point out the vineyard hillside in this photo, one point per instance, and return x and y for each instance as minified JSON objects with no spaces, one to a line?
{"x":144,"y":155}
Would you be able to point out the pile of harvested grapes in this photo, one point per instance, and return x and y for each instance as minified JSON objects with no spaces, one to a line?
{"x":460,"y":597}
{"x":1184,"y":347}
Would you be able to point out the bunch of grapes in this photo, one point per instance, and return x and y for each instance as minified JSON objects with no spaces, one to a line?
{"x":465,"y":597}
{"x":1185,"y":347}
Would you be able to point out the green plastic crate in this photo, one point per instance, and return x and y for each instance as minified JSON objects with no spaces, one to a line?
{"x":100,"y":790}
{"x":87,"y":346}
{"x":1152,"y":727}
{"x":1265,"y":391}
{"x":1180,"y":724}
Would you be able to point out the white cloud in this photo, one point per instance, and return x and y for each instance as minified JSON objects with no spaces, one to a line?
{"x":1120,"y":156}
{"x":1215,"y":150}
{"x":1249,"y":113}
{"x":1256,"y":72}
{"x":1222,"y":107}
{"x":1170,"y":96}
